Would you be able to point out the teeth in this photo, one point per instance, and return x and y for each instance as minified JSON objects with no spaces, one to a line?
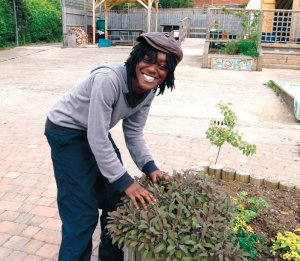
{"x":149,"y":78}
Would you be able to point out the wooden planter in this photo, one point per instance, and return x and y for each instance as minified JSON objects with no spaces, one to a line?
{"x":230,"y":62}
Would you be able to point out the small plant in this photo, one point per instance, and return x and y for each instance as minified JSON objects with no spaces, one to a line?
{"x":219,"y":134}
{"x":249,"y":21}
{"x":188,"y":222}
{"x":273,"y":87}
{"x":247,"y":47}
{"x":241,"y":47}
{"x":230,"y":47}
{"x":247,"y":208}
{"x":287,"y":245}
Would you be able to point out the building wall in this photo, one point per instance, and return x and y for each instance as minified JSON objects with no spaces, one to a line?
{"x":200,"y":3}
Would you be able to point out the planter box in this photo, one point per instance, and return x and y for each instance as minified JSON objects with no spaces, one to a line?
{"x":230,"y":62}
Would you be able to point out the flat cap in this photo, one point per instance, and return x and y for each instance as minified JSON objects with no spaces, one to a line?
{"x":162,"y":43}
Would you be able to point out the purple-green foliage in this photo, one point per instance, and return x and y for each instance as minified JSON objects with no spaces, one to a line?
{"x":189,"y":221}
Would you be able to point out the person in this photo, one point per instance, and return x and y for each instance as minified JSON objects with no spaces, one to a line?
{"x":87,"y":164}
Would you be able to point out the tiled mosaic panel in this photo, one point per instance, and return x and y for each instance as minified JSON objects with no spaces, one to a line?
{"x":240,"y":64}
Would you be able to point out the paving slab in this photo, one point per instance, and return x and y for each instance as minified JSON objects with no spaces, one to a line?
{"x":34,"y":77}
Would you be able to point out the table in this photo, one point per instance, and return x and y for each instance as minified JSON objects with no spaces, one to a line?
{"x":125,"y":36}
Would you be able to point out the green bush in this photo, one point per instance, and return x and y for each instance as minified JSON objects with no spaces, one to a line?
{"x":189,"y":221}
{"x":6,"y":23}
{"x":247,"y":47}
{"x":44,"y":20}
{"x":230,"y":47}
{"x":241,"y":47}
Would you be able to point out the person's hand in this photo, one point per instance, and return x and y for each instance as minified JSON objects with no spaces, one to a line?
{"x":136,"y":192}
{"x":159,"y":175}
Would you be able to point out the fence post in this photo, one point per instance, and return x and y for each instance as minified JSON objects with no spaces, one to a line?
{"x":64,"y":22}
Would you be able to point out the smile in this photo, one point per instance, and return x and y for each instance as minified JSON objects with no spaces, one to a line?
{"x":149,"y":78}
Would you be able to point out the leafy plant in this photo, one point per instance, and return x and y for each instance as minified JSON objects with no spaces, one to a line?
{"x":38,"y":20}
{"x":6,"y":23}
{"x":44,"y":20}
{"x":273,"y":87}
{"x":219,"y":134}
{"x":241,"y":47}
{"x":287,"y":245}
{"x":188,"y":222}
{"x":230,"y":47}
{"x":249,"y":21}
{"x":247,"y":47}
{"x":246,"y":209}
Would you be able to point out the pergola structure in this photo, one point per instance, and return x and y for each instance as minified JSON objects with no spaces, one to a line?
{"x":109,"y":4}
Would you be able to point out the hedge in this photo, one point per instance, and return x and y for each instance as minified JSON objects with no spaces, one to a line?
{"x":6,"y":23}
{"x":38,"y":21}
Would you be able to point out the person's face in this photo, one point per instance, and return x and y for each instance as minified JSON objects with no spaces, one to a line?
{"x":150,"y":73}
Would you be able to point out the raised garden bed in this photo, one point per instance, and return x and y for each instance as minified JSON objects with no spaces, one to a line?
{"x":282,"y":214}
{"x":214,"y":59}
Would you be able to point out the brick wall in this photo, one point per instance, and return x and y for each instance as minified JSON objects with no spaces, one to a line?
{"x":199,"y":3}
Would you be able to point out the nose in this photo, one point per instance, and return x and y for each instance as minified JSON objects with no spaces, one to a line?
{"x":153,"y":68}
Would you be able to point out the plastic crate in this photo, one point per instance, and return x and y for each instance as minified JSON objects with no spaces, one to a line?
{"x":103,"y":43}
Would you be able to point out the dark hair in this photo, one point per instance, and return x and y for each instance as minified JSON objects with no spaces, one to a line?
{"x":138,"y":53}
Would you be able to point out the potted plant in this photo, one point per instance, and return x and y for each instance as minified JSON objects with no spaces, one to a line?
{"x":188,"y":222}
{"x":225,"y":35}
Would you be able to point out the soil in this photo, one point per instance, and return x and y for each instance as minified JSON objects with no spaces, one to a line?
{"x":282,"y":215}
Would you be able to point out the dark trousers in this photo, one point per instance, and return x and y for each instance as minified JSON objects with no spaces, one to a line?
{"x":81,"y":190}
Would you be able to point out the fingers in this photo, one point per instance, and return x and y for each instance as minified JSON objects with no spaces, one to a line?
{"x":137,"y":193}
{"x":159,"y":175}
{"x":132,"y":198}
{"x":165,"y":177}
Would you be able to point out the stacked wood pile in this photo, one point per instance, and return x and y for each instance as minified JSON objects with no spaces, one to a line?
{"x":81,"y":35}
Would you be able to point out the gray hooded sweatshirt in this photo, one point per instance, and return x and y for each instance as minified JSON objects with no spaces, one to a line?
{"x":96,"y":105}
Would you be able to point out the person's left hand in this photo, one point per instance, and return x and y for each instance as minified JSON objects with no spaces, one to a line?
{"x":159,"y":175}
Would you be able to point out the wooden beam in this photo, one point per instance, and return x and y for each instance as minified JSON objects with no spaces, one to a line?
{"x":296,"y":5}
{"x":106,"y":18}
{"x":143,"y":4}
{"x":94,"y":23}
{"x":150,"y":2}
{"x":156,"y":15}
{"x":98,"y":4}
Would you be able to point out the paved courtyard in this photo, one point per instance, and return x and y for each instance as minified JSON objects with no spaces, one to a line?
{"x":32,"y":78}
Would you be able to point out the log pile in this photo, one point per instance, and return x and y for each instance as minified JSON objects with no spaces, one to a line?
{"x":81,"y":36}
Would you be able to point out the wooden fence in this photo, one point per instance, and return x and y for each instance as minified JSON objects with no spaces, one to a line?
{"x":78,"y":13}
{"x":184,"y":28}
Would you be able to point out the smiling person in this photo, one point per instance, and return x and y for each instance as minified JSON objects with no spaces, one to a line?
{"x":87,"y":164}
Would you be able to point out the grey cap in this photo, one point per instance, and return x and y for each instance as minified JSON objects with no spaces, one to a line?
{"x":162,"y":43}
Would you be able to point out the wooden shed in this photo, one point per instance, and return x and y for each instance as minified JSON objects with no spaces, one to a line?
{"x":109,"y":4}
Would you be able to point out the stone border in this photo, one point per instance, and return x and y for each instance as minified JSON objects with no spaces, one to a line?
{"x":230,"y":174}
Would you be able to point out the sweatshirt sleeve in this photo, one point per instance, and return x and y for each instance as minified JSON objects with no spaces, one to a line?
{"x":133,"y":132}
{"x":104,"y":94}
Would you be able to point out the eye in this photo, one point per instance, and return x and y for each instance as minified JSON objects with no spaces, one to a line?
{"x":163,"y":67}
